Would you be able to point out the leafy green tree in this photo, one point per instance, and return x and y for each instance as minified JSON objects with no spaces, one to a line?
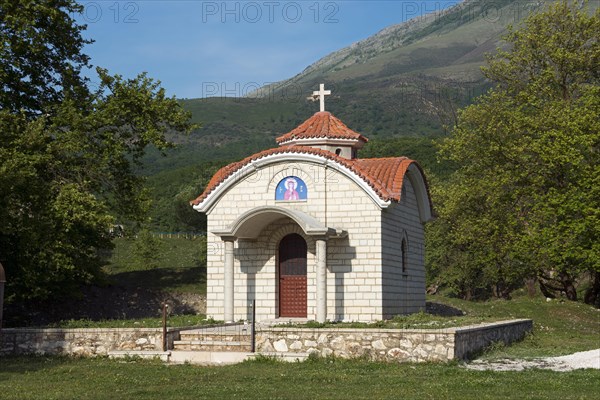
{"x":147,"y":250}
{"x":67,"y":154}
{"x":525,"y":200}
{"x":40,"y":53}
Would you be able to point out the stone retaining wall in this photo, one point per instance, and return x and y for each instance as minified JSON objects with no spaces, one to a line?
{"x":472,"y":339}
{"x":81,"y":342}
{"x":416,"y":345}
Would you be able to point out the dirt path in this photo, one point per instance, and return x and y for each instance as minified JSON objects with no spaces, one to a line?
{"x":584,"y":359}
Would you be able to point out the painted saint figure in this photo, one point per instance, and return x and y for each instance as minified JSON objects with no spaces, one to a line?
{"x":291,"y":193}
{"x":291,"y":188}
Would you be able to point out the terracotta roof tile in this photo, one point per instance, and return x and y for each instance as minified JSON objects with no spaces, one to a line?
{"x":321,"y":125}
{"x":384,"y":175}
{"x":388,"y":172}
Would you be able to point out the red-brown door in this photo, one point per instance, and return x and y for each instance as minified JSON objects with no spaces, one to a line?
{"x":292,"y":276}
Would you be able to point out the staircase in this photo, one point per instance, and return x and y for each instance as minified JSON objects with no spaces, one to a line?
{"x":215,"y":345}
{"x":227,"y":338}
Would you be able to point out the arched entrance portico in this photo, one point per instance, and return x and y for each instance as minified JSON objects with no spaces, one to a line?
{"x":249,"y":226}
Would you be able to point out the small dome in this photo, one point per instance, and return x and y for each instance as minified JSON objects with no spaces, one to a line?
{"x":323,"y":130}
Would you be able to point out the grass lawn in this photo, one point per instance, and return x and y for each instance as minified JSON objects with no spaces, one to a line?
{"x":559,"y":327}
{"x":182,"y":266}
{"x":172,"y":321}
{"x":64,"y":378}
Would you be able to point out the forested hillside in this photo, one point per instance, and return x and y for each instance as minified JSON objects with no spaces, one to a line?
{"x":402,"y":88}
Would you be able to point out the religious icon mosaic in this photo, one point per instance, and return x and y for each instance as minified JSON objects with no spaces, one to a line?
{"x":291,"y":188}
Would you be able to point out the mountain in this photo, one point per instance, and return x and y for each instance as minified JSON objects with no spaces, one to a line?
{"x":428,"y":45}
{"x":407,"y":80}
{"x":397,"y":87}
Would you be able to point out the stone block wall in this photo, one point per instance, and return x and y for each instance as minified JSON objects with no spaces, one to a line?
{"x":400,"y":345}
{"x":396,"y":345}
{"x":471,"y":339}
{"x":354,"y":279}
{"x":403,"y":290}
{"x":374,"y":344}
{"x":81,"y":342}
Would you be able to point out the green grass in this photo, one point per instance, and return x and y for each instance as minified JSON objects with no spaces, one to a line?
{"x":173,"y":253}
{"x":63,"y":378}
{"x":413,"y":321}
{"x":560,"y":327}
{"x":182,"y":266}
{"x":172,"y":321}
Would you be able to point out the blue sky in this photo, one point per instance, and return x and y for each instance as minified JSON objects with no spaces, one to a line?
{"x":194,"y":47}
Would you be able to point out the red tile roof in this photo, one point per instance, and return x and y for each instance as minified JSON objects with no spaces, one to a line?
{"x":321,"y":125}
{"x":384,"y":175}
{"x":388,"y":172}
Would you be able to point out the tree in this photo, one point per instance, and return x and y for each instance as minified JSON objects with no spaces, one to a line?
{"x":525,"y":200}
{"x":67,"y":153}
{"x":146,"y":250}
{"x":40,"y":53}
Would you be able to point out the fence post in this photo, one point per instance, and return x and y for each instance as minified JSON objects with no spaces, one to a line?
{"x":253,"y":328}
{"x":2,"y":282}
{"x":164,"y":326}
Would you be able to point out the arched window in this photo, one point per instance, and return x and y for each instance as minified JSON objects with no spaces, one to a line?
{"x":338,"y":152}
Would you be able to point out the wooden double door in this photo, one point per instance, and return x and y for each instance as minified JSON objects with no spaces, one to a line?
{"x":292,"y":276}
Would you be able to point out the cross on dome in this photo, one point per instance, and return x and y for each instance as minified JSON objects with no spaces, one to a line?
{"x":320,"y":94}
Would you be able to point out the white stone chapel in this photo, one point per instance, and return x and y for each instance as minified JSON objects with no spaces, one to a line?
{"x":311,"y":231}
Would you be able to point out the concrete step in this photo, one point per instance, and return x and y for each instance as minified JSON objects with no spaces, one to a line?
{"x":146,"y":354}
{"x":212,"y":345}
{"x":289,"y":357}
{"x":204,"y":357}
{"x":219,"y":337}
{"x":207,"y":357}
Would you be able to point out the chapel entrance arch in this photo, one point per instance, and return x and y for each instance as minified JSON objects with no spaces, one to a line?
{"x":249,"y":225}
{"x":292,"y":276}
